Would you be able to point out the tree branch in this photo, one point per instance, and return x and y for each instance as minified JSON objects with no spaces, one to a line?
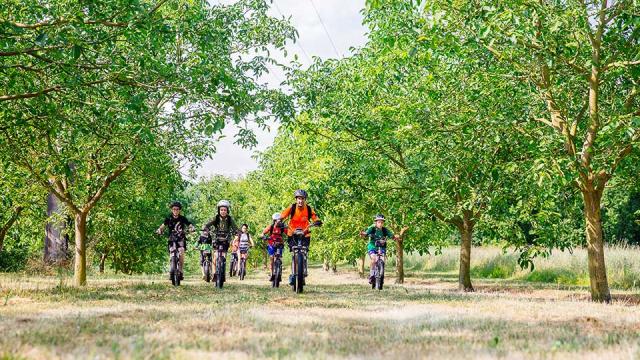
{"x":30,"y":95}
{"x":5,"y":228}
{"x":128,"y":159}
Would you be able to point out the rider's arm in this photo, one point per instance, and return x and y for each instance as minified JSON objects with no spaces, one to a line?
{"x":285,"y":213}
{"x":234,"y":227}
{"x":206,"y":229}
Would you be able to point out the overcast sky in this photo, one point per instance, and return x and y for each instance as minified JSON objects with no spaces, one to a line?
{"x":343,"y":22}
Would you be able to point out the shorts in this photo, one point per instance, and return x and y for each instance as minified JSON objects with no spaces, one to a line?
{"x":375,"y":252}
{"x":244,"y":250}
{"x":181,"y":245}
{"x":271,"y":249}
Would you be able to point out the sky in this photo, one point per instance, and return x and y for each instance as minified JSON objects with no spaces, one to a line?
{"x":343,"y":22}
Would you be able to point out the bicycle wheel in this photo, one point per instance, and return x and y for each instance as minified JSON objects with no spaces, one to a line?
{"x":176,"y":272}
{"x":380,"y":275}
{"x":172,"y":270}
{"x":299,"y":273}
{"x":219,"y":272}
{"x":243,"y":264}
{"x":207,"y":271}
{"x":277,"y":273}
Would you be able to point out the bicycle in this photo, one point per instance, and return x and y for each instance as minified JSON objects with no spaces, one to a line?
{"x":176,"y":236}
{"x":276,"y":272}
{"x":299,"y":263}
{"x":233,"y":267}
{"x":242,"y":271}
{"x":378,"y":268}
{"x":206,"y":260}
{"x":174,"y":268}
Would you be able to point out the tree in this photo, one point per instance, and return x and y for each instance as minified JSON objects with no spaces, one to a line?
{"x":91,"y":90}
{"x":580,"y":60}
{"x":424,"y":124}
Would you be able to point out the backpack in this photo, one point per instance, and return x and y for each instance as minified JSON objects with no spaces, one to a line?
{"x":281,"y":226}
{"x":385,"y":232}
{"x":293,"y":210}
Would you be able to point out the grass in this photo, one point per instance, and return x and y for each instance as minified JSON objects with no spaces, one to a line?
{"x":338,"y":316}
{"x":561,"y":268}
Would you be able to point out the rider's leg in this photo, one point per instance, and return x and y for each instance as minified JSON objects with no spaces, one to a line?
{"x":202,"y":262}
{"x":181,"y":262}
{"x":372,"y":265}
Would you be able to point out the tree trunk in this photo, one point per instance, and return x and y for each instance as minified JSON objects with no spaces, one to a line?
{"x":80,"y":267}
{"x":361,"y":265}
{"x":595,"y":246}
{"x":325,"y":264}
{"x":466,"y":233}
{"x":334,"y":267}
{"x":103,"y":257}
{"x":5,"y":228}
{"x":56,"y":243}
{"x":400,"y":260}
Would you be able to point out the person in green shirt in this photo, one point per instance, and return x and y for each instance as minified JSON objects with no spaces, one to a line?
{"x":220,"y":230}
{"x":377,"y":233}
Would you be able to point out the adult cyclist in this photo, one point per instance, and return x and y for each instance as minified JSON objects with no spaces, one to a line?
{"x":376,"y":232}
{"x":300,"y":215}
{"x":221,"y":229}
{"x":177,"y":225}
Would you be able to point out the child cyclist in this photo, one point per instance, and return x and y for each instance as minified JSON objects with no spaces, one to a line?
{"x":273,"y":234}
{"x":377,"y":232}
{"x":243,"y":241}
{"x":178,"y":226}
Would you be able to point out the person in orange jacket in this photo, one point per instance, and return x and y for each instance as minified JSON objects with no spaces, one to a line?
{"x":300,"y":216}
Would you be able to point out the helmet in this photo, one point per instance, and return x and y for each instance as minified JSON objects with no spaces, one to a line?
{"x":300,"y":193}
{"x":275,"y":216}
{"x":176,"y":204}
{"x":378,"y":217}
{"x":224,"y":203}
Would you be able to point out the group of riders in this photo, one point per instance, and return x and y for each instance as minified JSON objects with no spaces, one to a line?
{"x":223,"y":233}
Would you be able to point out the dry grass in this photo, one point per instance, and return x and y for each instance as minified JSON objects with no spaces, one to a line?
{"x":561,"y":268}
{"x":143,"y":317}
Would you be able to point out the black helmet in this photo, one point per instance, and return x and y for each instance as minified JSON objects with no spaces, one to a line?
{"x":378,"y":217}
{"x":176,"y":204}
{"x":300,"y":193}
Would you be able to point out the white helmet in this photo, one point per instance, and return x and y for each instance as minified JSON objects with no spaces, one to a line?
{"x":224,"y":203}
{"x":276,"y":216}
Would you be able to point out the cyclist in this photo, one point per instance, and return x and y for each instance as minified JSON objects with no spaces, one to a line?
{"x":220,"y":229}
{"x":376,"y":232}
{"x":177,"y":225}
{"x":204,"y":240}
{"x":234,"y":254}
{"x":243,"y":241}
{"x":301,"y":215}
{"x":273,"y":234}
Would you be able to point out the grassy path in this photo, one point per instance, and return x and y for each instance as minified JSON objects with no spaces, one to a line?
{"x":338,"y":317}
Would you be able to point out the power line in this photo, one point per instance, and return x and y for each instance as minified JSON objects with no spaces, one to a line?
{"x":325,"y":28}
{"x":297,"y":42}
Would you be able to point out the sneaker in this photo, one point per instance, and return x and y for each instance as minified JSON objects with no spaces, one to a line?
{"x":181,"y":276}
{"x":292,"y":280}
